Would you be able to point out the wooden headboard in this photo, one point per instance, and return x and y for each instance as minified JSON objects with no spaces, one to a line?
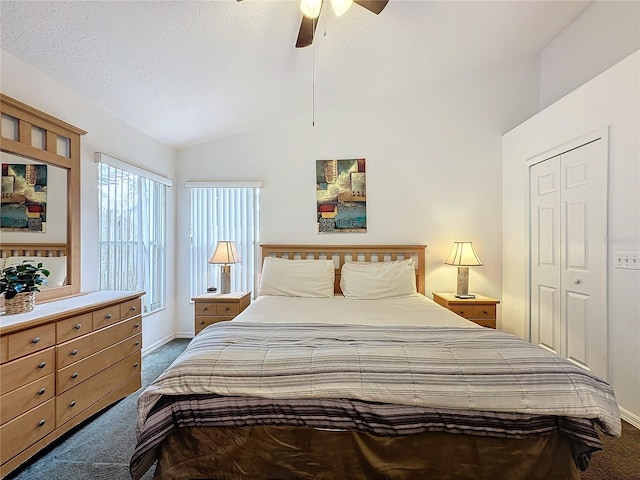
{"x":352,"y":253}
{"x":33,"y":250}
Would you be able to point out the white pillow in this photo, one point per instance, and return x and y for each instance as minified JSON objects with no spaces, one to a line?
{"x":57,"y":267}
{"x":363,"y":280}
{"x":297,"y":278}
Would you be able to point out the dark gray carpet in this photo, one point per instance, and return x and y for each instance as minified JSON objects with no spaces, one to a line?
{"x":102,"y":447}
{"x":620,"y":459}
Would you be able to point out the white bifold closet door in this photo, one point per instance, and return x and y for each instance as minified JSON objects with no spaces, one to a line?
{"x":568,"y":228}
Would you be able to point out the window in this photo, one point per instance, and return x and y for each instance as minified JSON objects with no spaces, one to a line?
{"x":132,"y":215}
{"x":223,"y":211}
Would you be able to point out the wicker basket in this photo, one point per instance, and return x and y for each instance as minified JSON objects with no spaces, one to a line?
{"x":21,"y":303}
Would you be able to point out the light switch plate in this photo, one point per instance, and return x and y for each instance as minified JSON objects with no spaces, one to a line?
{"x":627,"y":260}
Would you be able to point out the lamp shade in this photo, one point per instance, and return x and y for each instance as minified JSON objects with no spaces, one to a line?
{"x":225,"y":253}
{"x":463,"y":255}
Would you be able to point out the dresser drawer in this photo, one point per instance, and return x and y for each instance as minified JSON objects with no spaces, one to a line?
{"x":75,"y":400}
{"x":204,"y":322}
{"x":31,"y":340}
{"x":475,"y":311}
{"x":25,"y":370}
{"x":73,"y":327}
{"x":4,"y":349}
{"x":484,"y":311}
{"x":26,"y":429}
{"x":130,"y":309}
{"x":80,"y":371}
{"x":25,"y":398}
{"x":105,"y":317}
{"x":206,"y":308}
{"x":227,"y":309}
{"x":488,"y":323}
{"x":463,"y":311}
{"x":75,"y":350}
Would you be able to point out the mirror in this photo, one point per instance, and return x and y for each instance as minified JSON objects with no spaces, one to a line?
{"x":34,"y":138}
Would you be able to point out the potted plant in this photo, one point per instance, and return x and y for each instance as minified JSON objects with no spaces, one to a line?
{"x":18,"y":284}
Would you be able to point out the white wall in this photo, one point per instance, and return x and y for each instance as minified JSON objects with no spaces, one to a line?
{"x":611,"y":99}
{"x":107,"y":134}
{"x":433,"y":170}
{"x":604,"y":34}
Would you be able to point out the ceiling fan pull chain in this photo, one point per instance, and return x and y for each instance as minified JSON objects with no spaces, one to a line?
{"x":324,"y":29}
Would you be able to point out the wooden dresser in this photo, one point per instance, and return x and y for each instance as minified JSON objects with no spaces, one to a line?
{"x":62,"y":363}
{"x":480,"y":310}
{"x":212,"y":308}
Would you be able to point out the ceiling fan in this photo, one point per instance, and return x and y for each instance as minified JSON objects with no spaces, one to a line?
{"x":311,"y":10}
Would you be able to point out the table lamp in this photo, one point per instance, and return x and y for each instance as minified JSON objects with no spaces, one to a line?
{"x":225,"y":254}
{"x":463,"y":256}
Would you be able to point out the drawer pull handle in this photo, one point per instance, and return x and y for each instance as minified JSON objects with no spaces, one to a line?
{"x":132,"y":309}
{"x":41,"y":423}
{"x":74,"y":375}
{"x":136,"y":344}
{"x":227,"y":309}
{"x":201,"y":322}
{"x":41,"y":391}
{"x":205,"y":309}
{"x":42,"y":365}
{"x":35,"y":340}
{"x":74,"y":352}
{"x":78,"y":326}
{"x":485,"y":312}
{"x":137,"y":325}
{"x":72,"y":404}
{"x":135,"y":365}
{"x":108,"y":316}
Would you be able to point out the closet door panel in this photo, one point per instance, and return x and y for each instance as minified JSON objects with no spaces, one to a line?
{"x":545,"y":190}
{"x":577,"y":306}
{"x":584,"y":233}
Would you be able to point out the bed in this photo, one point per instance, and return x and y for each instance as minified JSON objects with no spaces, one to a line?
{"x":343,"y":368}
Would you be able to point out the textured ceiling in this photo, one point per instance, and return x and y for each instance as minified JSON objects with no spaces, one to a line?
{"x":189,"y":71}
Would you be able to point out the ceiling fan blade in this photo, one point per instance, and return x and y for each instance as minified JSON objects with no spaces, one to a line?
{"x":308,"y":29}
{"x":375,"y":6}
{"x":306,"y":33}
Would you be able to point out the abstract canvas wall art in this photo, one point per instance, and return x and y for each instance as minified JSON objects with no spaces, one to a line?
{"x":341,"y":196}
{"x":23,"y":197}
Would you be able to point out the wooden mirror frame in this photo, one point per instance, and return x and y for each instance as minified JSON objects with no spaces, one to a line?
{"x":27,"y":118}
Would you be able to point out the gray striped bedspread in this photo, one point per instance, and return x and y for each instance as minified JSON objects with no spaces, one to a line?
{"x":399,"y":375}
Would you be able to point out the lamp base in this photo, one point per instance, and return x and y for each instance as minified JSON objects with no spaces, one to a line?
{"x":225,"y":279}
{"x":463,"y":282}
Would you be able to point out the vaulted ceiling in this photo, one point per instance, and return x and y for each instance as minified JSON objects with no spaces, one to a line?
{"x":185,"y":72}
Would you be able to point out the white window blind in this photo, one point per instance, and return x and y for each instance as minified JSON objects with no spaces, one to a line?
{"x":132,"y":219}
{"x":220,"y":212}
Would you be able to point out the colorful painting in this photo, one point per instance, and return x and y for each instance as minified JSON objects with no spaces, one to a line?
{"x":23,"y":197}
{"x":341,"y":194}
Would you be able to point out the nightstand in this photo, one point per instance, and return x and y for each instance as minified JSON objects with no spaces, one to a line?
{"x":211,"y":308}
{"x":481,"y":310}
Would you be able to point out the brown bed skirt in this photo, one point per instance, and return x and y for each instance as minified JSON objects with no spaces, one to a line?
{"x":269,"y":453}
